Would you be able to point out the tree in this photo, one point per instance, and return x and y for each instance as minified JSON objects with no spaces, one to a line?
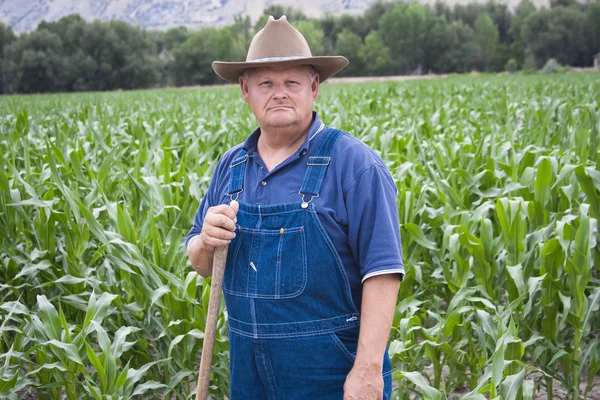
{"x":511,"y":66}
{"x":277,"y":11}
{"x":6,"y":38}
{"x":562,"y":3}
{"x":436,"y":41}
{"x":517,"y":45}
{"x":375,"y":55}
{"x":313,"y":34}
{"x":348,"y":44}
{"x":592,"y":31}
{"x":499,"y":13}
{"x":332,"y":26}
{"x":36,"y":64}
{"x":370,"y":19}
{"x":194,"y":57}
{"x":403,"y":30}
{"x":175,"y":36}
{"x":463,"y":52}
{"x":556,"y":33}
{"x":63,"y":27}
{"x":486,"y":35}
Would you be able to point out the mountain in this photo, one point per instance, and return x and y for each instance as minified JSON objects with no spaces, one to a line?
{"x":25,"y":15}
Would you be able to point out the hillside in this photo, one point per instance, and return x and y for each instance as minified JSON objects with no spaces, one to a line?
{"x":24,"y":16}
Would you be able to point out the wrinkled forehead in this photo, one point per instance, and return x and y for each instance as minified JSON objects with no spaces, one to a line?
{"x":287,"y":70}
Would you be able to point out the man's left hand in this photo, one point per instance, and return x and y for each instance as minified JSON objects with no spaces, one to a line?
{"x":364,"y":383}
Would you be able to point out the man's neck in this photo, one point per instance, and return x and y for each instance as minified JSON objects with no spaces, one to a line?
{"x":276,"y":145}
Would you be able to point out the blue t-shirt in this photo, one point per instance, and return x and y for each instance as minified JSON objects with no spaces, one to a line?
{"x":357,"y":204}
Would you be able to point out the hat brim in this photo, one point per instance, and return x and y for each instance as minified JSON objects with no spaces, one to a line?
{"x":326,"y":66}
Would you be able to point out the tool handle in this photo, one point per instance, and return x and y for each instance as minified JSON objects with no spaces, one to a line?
{"x":210,"y":331}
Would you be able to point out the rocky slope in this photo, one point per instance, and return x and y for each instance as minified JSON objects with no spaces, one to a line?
{"x":24,"y":15}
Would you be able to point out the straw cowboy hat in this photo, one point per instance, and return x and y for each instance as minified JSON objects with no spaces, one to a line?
{"x":279,"y":44}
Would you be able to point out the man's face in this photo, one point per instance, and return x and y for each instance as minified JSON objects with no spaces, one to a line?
{"x":281,"y":97}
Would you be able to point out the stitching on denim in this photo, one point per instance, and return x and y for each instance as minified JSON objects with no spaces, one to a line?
{"x":339,"y":263}
{"x":271,"y":377}
{"x":276,"y":296}
{"x":253,"y":316}
{"x":297,"y":205}
{"x":341,"y":317}
{"x":278,"y":265}
{"x":272,"y":231}
{"x":343,"y":348}
{"x":316,"y":332}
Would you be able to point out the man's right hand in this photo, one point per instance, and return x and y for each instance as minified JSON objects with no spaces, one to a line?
{"x":218,"y":228}
{"x":217,"y":231}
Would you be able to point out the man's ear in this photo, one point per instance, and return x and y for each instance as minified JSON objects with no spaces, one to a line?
{"x":315,"y":86}
{"x":244,"y":88}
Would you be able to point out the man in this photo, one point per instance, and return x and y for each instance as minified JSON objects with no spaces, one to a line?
{"x":310,"y":215}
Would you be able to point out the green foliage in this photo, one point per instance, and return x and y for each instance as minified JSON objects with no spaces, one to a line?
{"x":349,"y":45}
{"x":556,"y":33}
{"x":313,"y":34}
{"x":529,"y":65}
{"x":463,"y":51}
{"x":375,"y":55}
{"x":70,"y":54}
{"x":193,"y":58}
{"x":389,"y":38}
{"x":498,"y":194}
{"x":592,"y":29}
{"x":511,"y":66}
{"x":6,"y":38}
{"x":550,"y":67}
{"x":37,"y":63}
{"x":517,"y":46}
{"x":486,"y":35}
{"x":404,"y":30}
{"x":174,"y":37}
{"x":277,"y":11}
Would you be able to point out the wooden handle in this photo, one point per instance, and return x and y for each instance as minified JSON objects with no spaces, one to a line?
{"x":211,"y":322}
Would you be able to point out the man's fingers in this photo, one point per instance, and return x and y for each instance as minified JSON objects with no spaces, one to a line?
{"x":214,"y":242}
{"x":224,"y":209}
{"x":218,"y":232}
{"x":221,"y":221}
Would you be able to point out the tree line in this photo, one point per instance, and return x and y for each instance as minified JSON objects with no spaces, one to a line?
{"x":71,"y":54}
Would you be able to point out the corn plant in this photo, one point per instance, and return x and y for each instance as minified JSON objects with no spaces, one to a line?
{"x":498,"y":193}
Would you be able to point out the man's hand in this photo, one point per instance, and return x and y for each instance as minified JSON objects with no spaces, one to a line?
{"x":219,"y":226}
{"x":364,"y":383}
{"x":217,"y":230}
{"x":365,"y":380}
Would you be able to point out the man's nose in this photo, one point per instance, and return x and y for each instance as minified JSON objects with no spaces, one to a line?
{"x":280,"y":92}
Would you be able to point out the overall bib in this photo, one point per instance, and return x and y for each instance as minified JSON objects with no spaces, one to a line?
{"x":293,"y":326}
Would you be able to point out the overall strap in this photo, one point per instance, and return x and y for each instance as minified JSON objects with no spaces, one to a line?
{"x":316,"y":166}
{"x":236,"y":176}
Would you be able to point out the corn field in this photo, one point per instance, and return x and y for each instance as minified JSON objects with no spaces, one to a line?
{"x":499,"y":198}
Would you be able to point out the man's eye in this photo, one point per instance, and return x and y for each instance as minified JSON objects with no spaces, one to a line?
{"x":266,"y":83}
{"x":293,"y":82}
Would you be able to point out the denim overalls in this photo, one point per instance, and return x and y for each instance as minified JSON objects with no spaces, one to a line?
{"x":293,"y":326}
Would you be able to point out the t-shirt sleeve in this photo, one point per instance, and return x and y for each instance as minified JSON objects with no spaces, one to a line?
{"x":373,"y":224}
{"x":207,"y":201}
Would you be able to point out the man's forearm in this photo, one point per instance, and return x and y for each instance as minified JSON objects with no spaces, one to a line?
{"x":201,"y":258}
{"x":377,"y":314}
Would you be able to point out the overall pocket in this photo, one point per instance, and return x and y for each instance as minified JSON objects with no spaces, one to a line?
{"x":267,"y":263}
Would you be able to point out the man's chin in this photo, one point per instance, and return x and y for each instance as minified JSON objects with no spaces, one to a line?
{"x":281,"y":121}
